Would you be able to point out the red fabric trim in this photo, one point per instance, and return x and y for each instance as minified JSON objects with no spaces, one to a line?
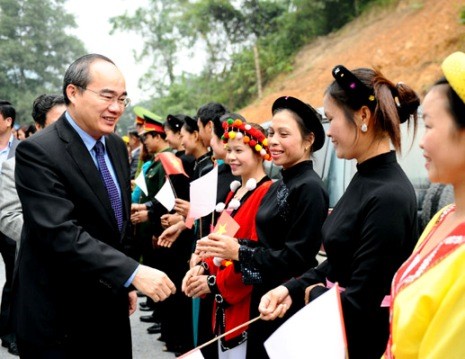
{"x":139,"y":120}
{"x":149,"y":127}
{"x":229,"y":282}
{"x":417,"y":264}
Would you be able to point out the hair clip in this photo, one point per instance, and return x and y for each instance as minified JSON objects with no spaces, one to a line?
{"x":355,"y":88}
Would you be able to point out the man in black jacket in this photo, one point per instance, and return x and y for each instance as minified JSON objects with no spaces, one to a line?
{"x":74,"y":284}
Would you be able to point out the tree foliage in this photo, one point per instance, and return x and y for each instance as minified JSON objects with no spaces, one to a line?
{"x":227,"y":30}
{"x":35,"y":50}
{"x":162,"y":39}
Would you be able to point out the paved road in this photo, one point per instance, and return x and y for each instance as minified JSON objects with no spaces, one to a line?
{"x":144,"y":345}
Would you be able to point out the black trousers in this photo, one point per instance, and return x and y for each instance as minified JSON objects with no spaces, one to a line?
{"x":7,"y":250}
{"x":28,"y":351}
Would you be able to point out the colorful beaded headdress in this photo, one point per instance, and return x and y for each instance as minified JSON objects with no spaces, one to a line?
{"x":454,"y":71}
{"x":236,"y":128}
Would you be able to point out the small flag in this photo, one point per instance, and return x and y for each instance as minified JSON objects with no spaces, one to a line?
{"x":166,"y":196}
{"x":202,"y":194}
{"x":193,"y":354}
{"x":226,"y":225}
{"x":315,"y":331}
{"x":171,"y":164}
{"x":189,"y":222}
{"x":140,"y":182}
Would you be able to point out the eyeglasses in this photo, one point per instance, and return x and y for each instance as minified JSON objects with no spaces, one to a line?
{"x":108,"y":97}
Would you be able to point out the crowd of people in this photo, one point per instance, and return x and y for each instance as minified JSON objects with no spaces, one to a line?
{"x":82,"y":228}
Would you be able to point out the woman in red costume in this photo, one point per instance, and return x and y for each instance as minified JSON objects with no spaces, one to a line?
{"x":247,"y":148}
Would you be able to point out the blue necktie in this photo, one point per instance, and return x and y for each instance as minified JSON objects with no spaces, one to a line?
{"x":109,"y":184}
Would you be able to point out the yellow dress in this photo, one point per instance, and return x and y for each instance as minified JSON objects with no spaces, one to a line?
{"x":428,"y":308}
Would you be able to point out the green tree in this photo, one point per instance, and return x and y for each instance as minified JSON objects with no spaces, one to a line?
{"x":35,"y":50}
{"x":222,"y":28}
{"x":158,"y":25}
{"x":247,"y":43}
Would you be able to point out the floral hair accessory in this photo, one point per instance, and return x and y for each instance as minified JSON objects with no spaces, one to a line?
{"x":453,"y":68}
{"x":236,"y":128}
{"x":356,"y":89}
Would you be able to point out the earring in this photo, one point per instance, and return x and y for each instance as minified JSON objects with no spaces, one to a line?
{"x":306,"y":149}
{"x":364,"y":127}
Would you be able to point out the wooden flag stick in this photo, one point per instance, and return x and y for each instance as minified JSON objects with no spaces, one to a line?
{"x":172,"y":187}
{"x":222,"y":335}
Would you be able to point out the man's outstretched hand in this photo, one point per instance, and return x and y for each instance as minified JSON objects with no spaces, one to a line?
{"x":153,"y":283}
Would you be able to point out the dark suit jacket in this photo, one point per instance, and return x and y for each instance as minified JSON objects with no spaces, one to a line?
{"x":70,"y":273}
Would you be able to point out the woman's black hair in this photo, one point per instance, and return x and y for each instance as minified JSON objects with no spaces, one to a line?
{"x":456,"y":106}
{"x":390,"y":104}
{"x":190,"y":124}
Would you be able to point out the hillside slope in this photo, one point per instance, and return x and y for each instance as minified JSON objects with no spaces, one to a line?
{"x":407,"y":42}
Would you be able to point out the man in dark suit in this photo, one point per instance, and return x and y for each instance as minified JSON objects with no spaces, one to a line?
{"x":74,"y":284}
{"x":46,"y":109}
{"x":8,"y":143}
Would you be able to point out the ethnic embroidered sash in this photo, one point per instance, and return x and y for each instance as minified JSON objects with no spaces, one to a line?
{"x":418,"y":263}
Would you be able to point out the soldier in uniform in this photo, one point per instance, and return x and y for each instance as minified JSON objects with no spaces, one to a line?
{"x":170,"y":317}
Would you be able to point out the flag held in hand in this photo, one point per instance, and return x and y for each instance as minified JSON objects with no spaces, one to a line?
{"x":202,"y":194}
{"x":166,"y":196}
{"x":140,"y":182}
{"x":171,"y":164}
{"x":226,"y":225}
